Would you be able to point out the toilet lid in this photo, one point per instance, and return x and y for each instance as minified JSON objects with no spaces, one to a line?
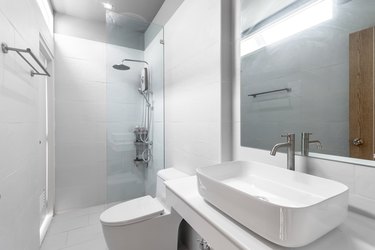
{"x":132,"y":211}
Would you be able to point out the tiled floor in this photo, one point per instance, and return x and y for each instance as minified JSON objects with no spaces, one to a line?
{"x":76,"y":230}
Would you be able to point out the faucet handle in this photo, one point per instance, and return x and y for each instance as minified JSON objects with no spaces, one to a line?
{"x":306,"y":133}
{"x":287,"y":135}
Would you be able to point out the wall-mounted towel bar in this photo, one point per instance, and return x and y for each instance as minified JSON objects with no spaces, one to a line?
{"x":34,"y":71}
{"x":271,"y":91}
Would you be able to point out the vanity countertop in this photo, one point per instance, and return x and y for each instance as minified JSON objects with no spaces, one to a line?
{"x":222,"y":232}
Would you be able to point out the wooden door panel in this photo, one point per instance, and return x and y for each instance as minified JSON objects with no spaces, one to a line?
{"x":361,"y":93}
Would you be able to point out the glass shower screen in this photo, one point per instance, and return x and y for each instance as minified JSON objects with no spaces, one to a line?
{"x":135,"y":106}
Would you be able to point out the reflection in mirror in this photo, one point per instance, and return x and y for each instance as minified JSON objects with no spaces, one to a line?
{"x":307,"y":66}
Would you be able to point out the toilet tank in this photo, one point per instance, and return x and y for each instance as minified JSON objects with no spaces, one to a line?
{"x":165,"y":175}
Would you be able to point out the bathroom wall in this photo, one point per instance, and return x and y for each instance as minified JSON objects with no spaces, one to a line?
{"x":198,"y":89}
{"x":198,"y":125}
{"x":21,"y":169}
{"x":193,"y":106}
{"x":80,"y":122}
{"x":76,"y":27}
{"x":359,"y":178}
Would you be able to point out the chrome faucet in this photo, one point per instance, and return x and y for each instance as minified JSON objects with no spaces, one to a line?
{"x":290,"y":144}
{"x":305,"y":143}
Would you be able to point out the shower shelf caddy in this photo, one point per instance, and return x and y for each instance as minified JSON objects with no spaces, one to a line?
{"x":142,"y":147}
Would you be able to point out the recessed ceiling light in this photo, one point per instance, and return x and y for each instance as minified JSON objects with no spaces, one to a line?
{"x":107,"y":6}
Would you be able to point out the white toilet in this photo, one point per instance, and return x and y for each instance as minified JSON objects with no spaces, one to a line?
{"x":144,"y":223}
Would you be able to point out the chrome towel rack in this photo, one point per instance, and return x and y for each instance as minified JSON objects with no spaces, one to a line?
{"x":34,"y":71}
{"x":271,"y":91}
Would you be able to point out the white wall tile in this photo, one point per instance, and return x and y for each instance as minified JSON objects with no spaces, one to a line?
{"x":21,"y":171}
{"x":78,"y":48}
{"x":337,"y":171}
{"x":125,"y":92}
{"x":71,"y":69}
{"x":193,"y":87}
{"x":80,"y":111}
{"x":186,"y":36}
{"x":191,"y":68}
{"x":193,"y":101}
{"x":72,"y":131}
{"x":118,"y":112}
{"x":365,"y":182}
{"x":81,"y":91}
{"x":18,"y":13}
{"x":79,"y":196}
{"x":80,"y":153}
{"x":81,"y":118}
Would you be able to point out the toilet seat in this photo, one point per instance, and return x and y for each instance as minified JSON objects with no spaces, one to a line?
{"x":132,"y":211}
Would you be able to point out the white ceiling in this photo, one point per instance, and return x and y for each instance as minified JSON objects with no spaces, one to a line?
{"x":93,"y":9}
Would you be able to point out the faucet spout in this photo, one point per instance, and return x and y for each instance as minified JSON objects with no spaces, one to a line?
{"x":318,"y":143}
{"x":290,"y":145}
{"x":277,"y":146}
{"x":305,"y":143}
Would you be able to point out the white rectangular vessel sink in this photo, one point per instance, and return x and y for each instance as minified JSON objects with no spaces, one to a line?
{"x":288,"y":208}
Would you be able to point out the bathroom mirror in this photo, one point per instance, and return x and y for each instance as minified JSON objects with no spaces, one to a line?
{"x":308,"y":66}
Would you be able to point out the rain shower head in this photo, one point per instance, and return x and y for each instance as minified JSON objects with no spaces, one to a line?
{"x":121,"y":67}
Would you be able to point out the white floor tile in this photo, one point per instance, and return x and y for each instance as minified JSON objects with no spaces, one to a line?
{"x":63,"y":225}
{"x":98,"y":244}
{"x":94,"y":218}
{"x":76,"y":230}
{"x":55,"y":242}
{"x":97,"y":209}
{"x":71,"y":214}
{"x":84,"y":234}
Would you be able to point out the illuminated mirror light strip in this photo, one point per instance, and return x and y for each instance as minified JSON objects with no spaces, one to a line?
{"x":300,"y":20}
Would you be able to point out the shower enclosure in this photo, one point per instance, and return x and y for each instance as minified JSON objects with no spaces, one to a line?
{"x":135,"y":106}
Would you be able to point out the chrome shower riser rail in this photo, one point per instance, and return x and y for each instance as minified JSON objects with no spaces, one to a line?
{"x":34,"y":71}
